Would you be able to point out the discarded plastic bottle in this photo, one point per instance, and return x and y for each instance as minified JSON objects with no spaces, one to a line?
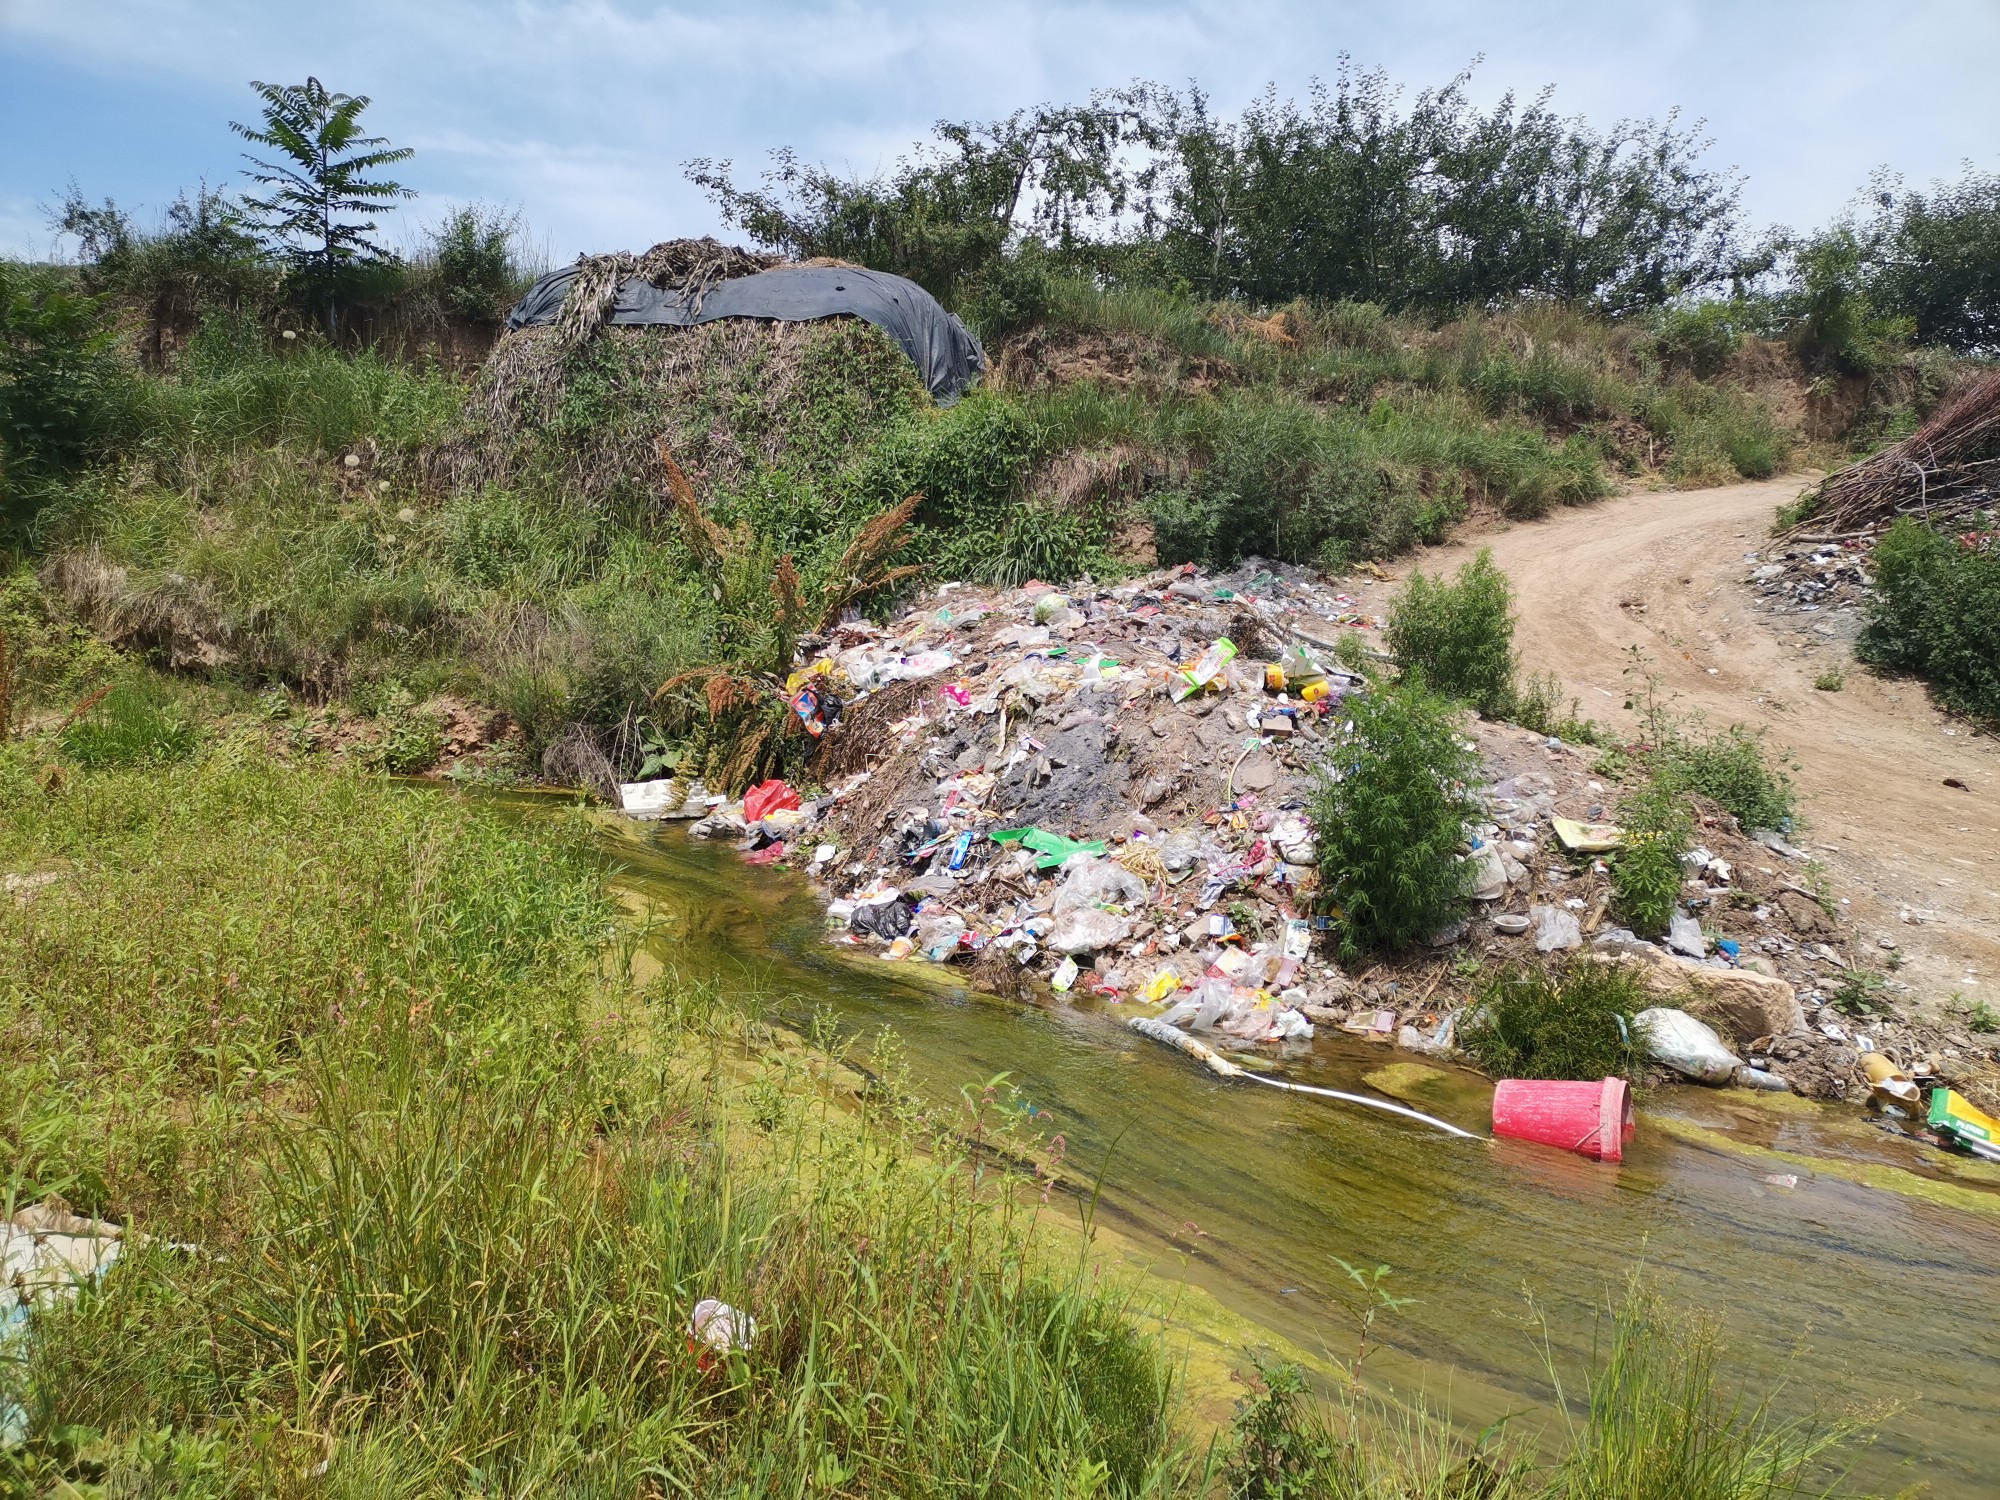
{"x":960,"y":849}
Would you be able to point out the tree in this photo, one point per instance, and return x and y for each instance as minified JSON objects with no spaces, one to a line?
{"x":322,"y":204}
{"x":944,"y":216}
{"x":1936,"y":257}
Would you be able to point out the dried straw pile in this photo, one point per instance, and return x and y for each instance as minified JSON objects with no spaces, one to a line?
{"x":1944,"y":470}
{"x":580,"y":406}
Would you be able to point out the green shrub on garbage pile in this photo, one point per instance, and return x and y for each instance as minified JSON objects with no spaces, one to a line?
{"x":1458,"y":634}
{"x":1573,"y":1023}
{"x":1646,"y":873}
{"x":1388,"y":810}
{"x":1935,"y":613}
{"x":430,"y":1195}
{"x":1731,"y":767}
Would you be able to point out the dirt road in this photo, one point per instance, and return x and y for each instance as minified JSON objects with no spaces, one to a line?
{"x":1667,"y":572}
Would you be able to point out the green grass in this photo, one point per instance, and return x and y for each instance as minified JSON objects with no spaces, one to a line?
{"x":1646,"y":1418}
{"x":452,"y":1191}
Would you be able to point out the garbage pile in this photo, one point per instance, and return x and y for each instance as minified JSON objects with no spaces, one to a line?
{"x":1103,"y":793}
{"x":1810,"y":579}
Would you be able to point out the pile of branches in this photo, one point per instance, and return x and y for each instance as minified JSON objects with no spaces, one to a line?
{"x":1946,"y":469}
{"x":691,"y":267}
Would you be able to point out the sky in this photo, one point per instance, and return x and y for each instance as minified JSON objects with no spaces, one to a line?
{"x":579,"y":114}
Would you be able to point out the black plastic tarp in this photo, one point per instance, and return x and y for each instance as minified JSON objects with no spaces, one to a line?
{"x":943,"y":349}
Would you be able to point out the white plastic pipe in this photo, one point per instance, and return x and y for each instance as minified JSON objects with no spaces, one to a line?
{"x":1173,"y":1036}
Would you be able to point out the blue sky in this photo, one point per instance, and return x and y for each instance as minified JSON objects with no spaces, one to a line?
{"x":579,"y":113}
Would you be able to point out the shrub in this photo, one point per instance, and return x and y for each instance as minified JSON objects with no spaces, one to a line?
{"x":1460,"y":635}
{"x":1729,"y":767}
{"x":1646,"y":873}
{"x":1006,"y":295}
{"x":1697,"y":340}
{"x":1389,"y":810}
{"x":1538,"y":705}
{"x":1536,"y":1023}
{"x":1935,"y":612}
{"x":66,"y":397}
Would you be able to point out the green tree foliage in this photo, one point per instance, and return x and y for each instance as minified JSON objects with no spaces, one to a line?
{"x":1354,"y":197}
{"x":944,"y":215}
{"x":1458,"y":635}
{"x":1389,"y":813}
{"x":1935,"y":612}
{"x":323,"y":199}
{"x":1936,"y":257}
{"x":1830,"y":313}
{"x":1350,"y":196}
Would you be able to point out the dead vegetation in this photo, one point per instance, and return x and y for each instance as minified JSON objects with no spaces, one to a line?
{"x":1946,"y":469}
{"x":690,"y":267}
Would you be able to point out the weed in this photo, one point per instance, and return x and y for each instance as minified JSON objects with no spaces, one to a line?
{"x":1539,"y":1023}
{"x":1859,"y":993}
{"x":1538,"y":705}
{"x":1646,"y":873}
{"x":1831,"y":681}
{"x":1459,"y":635}
{"x":412,"y":735}
{"x":138,"y":722}
{"x":1981,"y":1016}
{"x":1389,"y":810}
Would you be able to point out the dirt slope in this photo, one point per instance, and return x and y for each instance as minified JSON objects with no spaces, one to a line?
{"x":1667,"y":572}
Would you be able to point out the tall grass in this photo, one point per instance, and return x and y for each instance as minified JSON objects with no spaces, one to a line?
{"x":1647,"y":1418}
{"x":454,"y":1188}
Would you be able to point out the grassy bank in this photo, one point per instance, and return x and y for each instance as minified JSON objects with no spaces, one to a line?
{"x":350,"y":529}
{"x":451,"y":1190}
{"x":428,"y":1189}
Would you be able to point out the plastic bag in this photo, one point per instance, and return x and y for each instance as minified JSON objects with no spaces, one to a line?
{"x":768,"y":797}
{"x":1686,"y":1045}
{"x":1097,"y":882}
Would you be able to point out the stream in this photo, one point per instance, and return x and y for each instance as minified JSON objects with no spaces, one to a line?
{"x":1836,"y":1292}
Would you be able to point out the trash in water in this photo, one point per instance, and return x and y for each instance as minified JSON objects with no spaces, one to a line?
{"x":1686,"y":1045}
{"x":1889,"y":1083}
{"x":1964,"y":1124}
{"x":1592,"y":1118}
{"x":768,"y":797}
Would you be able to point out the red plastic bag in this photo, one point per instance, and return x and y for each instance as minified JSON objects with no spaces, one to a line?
{"x":766,"y":798}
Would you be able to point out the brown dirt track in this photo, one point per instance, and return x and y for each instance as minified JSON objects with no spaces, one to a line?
{"x":1666,"y":571}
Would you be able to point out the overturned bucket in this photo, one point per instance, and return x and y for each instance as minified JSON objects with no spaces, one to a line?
{"x":1592,"y":1118}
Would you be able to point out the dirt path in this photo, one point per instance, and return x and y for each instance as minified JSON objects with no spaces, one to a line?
{"x":1667,"y":572}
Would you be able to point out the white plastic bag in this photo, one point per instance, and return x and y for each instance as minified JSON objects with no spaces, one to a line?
{"x":1686,"y":1045}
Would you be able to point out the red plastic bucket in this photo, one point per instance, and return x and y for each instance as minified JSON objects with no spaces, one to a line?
{"x":1592,"y":1118}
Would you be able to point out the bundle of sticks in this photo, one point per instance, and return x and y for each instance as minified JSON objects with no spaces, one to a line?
{"x":1946,"y":469}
